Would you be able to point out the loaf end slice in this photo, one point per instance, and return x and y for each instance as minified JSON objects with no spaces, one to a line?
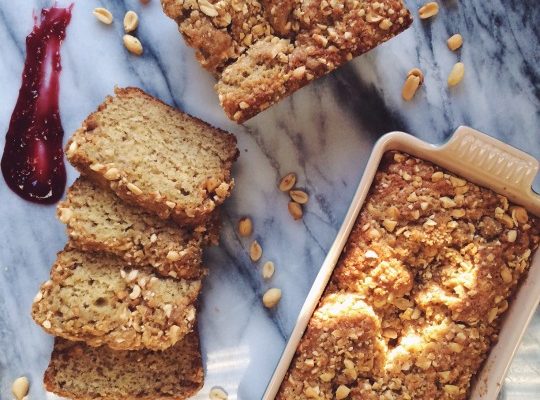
{"x":95,"y":298}
{"x":97,"y":220}
{"x":155,"y":156}
{"x":80,"y":372}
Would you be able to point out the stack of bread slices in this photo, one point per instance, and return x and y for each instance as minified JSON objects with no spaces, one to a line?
{"x":121,"y":298}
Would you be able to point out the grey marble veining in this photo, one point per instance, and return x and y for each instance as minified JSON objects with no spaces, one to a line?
{"x":324,"y":133}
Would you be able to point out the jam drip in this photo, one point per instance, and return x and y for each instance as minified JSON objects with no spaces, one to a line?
{"x":33,"y":160}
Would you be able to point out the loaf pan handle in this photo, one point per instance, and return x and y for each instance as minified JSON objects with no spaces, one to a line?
{"x":494,"y":164}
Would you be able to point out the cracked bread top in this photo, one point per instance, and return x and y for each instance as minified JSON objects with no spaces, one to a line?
{"x":155,"y":157}
{"x":95,"y":298}
{"x":437,"y":259}
{"x":263,"y":50}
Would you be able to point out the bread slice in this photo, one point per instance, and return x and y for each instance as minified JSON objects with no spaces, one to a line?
{"x":98,"y":220}
{"x":78,"y":371}
{"x":262,"y":51}
{"x":156,"y":157}
{"x":342,"y":344}
{"x":97,"y":299}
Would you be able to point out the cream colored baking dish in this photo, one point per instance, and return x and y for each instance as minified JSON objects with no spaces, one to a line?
{"x":479,"y":159}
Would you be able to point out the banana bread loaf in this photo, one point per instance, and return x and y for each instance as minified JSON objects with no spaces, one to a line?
{"x":263,"y":50}
{"x":438,"y":260}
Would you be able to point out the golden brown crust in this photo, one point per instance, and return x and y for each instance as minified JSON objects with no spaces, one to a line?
{"x":438,"y":259}
{"x":310,"y":39}
{"x":81,"y":372}
{"x":211,"y":191}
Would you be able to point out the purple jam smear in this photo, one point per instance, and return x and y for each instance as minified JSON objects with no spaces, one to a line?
{"x":33,"y":159}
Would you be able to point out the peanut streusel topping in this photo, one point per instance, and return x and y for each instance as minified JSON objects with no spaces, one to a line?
{"x":262,"y":51}
{"x":436,"y":259}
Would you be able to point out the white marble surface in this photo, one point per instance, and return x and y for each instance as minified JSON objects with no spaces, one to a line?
{"x":324,"y":133}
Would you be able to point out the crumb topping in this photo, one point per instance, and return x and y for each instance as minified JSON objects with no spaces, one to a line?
{"x":437,"y":260}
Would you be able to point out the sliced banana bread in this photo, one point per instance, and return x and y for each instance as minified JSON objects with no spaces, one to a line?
{"x":98,"y":220}
{"x":97,"y":299}
{"x":155,"y":156}
{"x":81,"y":372}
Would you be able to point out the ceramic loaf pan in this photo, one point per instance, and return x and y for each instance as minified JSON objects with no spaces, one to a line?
{"x":480,"y":159}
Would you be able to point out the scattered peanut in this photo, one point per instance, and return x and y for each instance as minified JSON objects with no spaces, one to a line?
{"x":417,"y":72}
{"x":136,"y":292}
{"x":268,"y":270}
{"x":295,"y":210}
{"x":428,"y":10}
{"x":385,"y":24}
{"x":64,"y":214}
{"x":456,"y":74}
{"x":145,"y":1}
{"x":287,"y":182}
{"x":134,"y":189}
{"x":103,"y":15}
{"x":38,"y":297}
{"x":410,"y":87}
{"x":271,"y":297}
{"x":131,"y":21}
{"x":173,"y":255}
{"x":511,"y":236}
{"x":455,"y":42}
{"x":72,"y":148}
{"x":255,"y":251}
{"x":97,"y":167}
{"x":208,"y":8}
{"x":217,"y":393}
{"x":437,"y":176}
{"x":506,"y":275}
{"x":245,"y":227}
{"x":299,"y":196}
{"x":342,"y":392}
{"x":389,"y":225}
{"x":133,"y":45}
{"x":451,"y":389}
{"x":20,"y":387}
{"x":519,"y":214}
{"x":112,"y":174}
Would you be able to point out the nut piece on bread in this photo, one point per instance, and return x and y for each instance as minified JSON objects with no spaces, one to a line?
{"x":97,"y":299}
{"x":263,"y":50}
{"x":98,"y":220}
{"x":156,"y":157}
{"x":342,"y":342}
{"x":78,"y":371}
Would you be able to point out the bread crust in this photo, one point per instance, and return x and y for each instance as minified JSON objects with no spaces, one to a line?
{"x":154,"y":201}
